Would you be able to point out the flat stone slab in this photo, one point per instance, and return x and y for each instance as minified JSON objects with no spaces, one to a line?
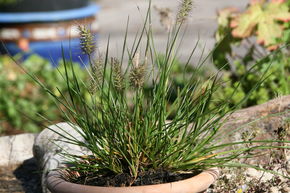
{"x":15,"y":149}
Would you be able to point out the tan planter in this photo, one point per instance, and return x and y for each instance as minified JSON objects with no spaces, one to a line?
{"x":195,"y":184}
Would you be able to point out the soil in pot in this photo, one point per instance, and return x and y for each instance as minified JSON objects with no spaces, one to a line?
{"x":123,"y":180}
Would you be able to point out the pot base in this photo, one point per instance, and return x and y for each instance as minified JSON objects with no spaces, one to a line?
{"x":196,"y":184}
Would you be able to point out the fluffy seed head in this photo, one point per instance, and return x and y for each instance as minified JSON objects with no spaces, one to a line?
{"x":137,"y":73}
{"x":184,"y":10}
{"x":96,"y":75}
{"x":118,"y":78}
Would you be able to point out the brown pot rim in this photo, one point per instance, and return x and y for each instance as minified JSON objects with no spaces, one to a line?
{"x":195,"y":184}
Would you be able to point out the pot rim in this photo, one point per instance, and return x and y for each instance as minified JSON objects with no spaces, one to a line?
{"x":195,"y":184}
{"x":49,"y":16}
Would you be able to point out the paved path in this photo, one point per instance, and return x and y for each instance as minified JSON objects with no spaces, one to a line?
{"x":202,"y":23}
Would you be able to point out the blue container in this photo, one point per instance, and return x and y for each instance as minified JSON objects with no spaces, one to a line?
{"x":46,"y":33}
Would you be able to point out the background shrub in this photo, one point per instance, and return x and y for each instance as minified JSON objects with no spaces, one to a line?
{"x":22,"y":101}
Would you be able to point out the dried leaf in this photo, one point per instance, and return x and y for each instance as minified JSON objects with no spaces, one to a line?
{"x":264,"y":18}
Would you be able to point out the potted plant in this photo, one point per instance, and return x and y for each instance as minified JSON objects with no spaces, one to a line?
{"x":131,"y":146}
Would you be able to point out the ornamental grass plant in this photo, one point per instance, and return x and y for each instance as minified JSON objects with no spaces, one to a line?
{"x":130,"y":134}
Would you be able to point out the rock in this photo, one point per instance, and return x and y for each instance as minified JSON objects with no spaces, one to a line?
{"x":286,"y":188}
{"x":15,"y":149}
{"x":274,"y":190}
{"x":49,"y":145}
{"x":264,"y":176}
{"x":266,"y":117}
{"x":267,"y":121}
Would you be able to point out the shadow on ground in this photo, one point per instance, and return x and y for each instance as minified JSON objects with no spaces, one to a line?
{"x":29,"y":176}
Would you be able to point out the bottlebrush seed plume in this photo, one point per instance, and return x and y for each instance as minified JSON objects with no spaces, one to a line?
{"x":137,"y":73}
{"x":118,"y":77}
{"x":96,"y":75}
{"x":86,"y":40}
{"x":184,"y":10}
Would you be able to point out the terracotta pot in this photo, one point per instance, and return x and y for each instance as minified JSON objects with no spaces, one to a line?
{"x":196,"y":184}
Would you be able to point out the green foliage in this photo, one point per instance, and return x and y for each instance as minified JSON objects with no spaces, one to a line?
{"x":21,"y":100}
{"x":4,"y":2}
{"x":276,"y":84}
{"x":181,"y":75}
{"x":235,"y":35}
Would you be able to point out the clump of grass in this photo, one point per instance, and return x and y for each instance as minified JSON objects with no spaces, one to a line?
{"x":130,"y":135}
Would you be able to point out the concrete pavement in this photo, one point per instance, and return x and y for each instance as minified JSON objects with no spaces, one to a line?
{"x":202,"y":23}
